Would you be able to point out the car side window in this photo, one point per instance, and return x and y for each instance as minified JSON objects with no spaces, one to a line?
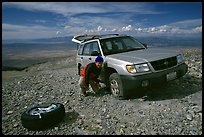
{"x":90,"y":47}
{"x":80,"y":49}
{"x":95,"y":47}
{"x":86,"y":50}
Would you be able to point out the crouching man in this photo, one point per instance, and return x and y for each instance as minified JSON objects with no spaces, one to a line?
{"x":89,"y":75}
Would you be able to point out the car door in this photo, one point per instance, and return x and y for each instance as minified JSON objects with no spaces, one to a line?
{"x":87,"y":56}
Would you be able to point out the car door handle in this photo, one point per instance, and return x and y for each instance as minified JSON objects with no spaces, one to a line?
{"x":89,"y":58}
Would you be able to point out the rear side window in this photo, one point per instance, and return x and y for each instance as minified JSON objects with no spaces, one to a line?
{"x":86,"y":50}
{"x":90,"y":47}
{"x":80,"y":49}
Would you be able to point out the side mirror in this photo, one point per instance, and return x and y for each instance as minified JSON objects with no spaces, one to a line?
{"x":94,"y":53}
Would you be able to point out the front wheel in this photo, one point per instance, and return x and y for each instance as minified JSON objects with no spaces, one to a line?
{"x":116,"y":86}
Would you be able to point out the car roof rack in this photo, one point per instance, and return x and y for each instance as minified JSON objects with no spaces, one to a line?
{"x":86,"y":37}
{"x":105,"y":35}
{"x":82,"y":38}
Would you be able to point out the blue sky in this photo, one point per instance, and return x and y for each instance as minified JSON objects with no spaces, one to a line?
{"x":31,"y":20}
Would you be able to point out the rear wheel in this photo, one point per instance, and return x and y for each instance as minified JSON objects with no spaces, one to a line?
{"x":116,"y":86}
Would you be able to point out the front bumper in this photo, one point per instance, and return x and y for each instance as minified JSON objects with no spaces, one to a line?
{"x":154,"y":78}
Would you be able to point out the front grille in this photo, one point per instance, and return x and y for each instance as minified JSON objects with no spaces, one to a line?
{"x":164,"y":63}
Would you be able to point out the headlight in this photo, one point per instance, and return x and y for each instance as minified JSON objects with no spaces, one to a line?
{"x":142,"y":68}
{"x":179,"y":58}
{"x":137,"y":68}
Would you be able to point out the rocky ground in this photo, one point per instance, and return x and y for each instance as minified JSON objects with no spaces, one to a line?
{"x":171,"y":109}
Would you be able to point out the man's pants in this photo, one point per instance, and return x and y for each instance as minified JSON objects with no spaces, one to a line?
{"x":94,"y":86}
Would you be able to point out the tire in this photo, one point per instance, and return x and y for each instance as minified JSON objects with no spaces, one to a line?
{"x":42,"y":117}
{"x":116,"y":86}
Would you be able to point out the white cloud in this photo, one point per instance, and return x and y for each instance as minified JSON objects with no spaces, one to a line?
{"x":70,"y":8}
{"x":58,"y":32}
{"x":187,"y":23}
{"x":165,"y":29}
{"x":197,"y":29}
{"x":138,"y":29}
{"x":127,"y":28}
{"x":67,"y":27}
{"x":40,"y":21}
{"x":99,"y":28}
{"x":182,"y":27}
{"x":74,"y":23}
{"x":10,"y":31}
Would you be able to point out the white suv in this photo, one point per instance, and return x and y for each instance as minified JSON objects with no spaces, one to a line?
{"x":128,"y":63}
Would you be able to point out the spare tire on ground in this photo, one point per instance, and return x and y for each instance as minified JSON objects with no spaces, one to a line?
{"x":43,"y":117}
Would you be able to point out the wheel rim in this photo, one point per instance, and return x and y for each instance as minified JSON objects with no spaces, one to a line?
{"x":115,"y":88}
{"x":40,"y":110}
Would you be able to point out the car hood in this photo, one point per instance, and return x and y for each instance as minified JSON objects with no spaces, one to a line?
{"x":145,"y":55}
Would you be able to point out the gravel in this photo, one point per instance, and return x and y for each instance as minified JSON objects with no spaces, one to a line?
{"x":172,"y":109}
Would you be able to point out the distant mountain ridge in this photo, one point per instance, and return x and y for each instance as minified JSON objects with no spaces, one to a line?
{"x":66,"y":39}
{"x":172,"y":41}
{"x":150,"y":40}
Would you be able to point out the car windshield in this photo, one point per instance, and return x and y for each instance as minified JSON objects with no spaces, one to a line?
{"x":120,"y":44}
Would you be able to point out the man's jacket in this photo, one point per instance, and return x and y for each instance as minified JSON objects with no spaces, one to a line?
{"x":90,"y":72}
